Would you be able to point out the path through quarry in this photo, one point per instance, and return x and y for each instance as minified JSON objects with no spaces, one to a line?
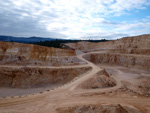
{"x":71,"y":98}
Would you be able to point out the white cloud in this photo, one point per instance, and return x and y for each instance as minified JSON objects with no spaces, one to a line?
{"x":122,"y":5}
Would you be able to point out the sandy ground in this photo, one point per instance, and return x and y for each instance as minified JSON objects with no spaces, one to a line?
{"x":124,"y":93}
{"x":5,"y":92}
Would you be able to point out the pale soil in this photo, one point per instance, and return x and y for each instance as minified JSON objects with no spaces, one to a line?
{"x":4,"y":92}
{"x":125,"y":93}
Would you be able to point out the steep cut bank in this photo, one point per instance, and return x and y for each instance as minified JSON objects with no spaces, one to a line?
{"x":38,"y":77}
{"x":139,"y":61}
{"x":28,"y":54}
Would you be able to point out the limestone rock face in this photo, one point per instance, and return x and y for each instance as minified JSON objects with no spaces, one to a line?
{"x":134,"y":45}
{"x":37,"y":77}
{"x":139,"y":61}
{"x":28,"y":54}
{"x":128,"y":51}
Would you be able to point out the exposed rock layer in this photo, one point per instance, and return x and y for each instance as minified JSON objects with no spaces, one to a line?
{"x":36,"y":77}
{"x":139,"y":61}
{"x":28,"y":54}
{"x":130,"y":45}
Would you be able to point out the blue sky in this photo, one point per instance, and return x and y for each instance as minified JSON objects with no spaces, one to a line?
{"x":75,"y":19}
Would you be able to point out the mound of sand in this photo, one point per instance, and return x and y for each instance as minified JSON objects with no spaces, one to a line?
{"x":101,"y":80}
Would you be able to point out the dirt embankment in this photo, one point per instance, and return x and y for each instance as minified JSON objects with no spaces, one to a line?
{"x":99,"y":109}
{"x":100,"y":80}
{"x":28,"y":54}
{"x":141,"y":85}
{"x":138,"y":61}
{"x":37,"y":77}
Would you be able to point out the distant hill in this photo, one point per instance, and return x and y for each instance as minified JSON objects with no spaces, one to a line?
{"x":49,"y":42}
{"x":24,"y":39}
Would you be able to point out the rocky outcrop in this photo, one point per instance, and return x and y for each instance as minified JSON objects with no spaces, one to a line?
{"x":98,"y":109}
{"x":139,"y":61}
{"x":28,"y":54}
{"x":37,"y":77}
{"x":130,"y":51}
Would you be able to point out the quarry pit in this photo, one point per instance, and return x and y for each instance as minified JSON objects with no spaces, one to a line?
{"x":105,"y":77}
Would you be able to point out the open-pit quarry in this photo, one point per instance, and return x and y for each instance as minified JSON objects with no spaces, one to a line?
{"x":104,"y":77}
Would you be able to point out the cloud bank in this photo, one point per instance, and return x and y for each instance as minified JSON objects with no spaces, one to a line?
{"x":75,"y":19}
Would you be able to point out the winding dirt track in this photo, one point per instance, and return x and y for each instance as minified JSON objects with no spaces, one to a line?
{"x":69,"y":95}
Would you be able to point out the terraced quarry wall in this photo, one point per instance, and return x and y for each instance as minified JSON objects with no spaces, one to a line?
{"x":139,"y":61}
{"x":131,"y":51}
{"x":28,"y":54}
{"x":130,"y":45}
{"x":128,"y":51}
{"x":37,"y":77}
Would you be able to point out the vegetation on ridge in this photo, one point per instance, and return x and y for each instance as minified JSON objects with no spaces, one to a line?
{"x":59,"y":43}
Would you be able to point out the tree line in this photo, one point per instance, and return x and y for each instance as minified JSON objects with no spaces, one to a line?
{"x":59,"y":43}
